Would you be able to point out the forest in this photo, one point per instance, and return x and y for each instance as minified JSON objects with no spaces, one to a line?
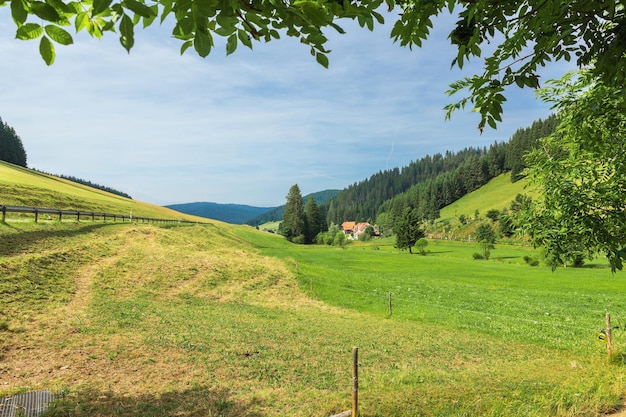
{"x":432,"y":182}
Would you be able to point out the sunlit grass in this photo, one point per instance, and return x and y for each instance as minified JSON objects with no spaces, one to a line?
{"x":219,"y":320}
{"x":25,"y":187}
{"x":197,"y":320}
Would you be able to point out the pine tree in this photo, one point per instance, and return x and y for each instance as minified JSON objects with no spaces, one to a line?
{"x":11,"y":147}
{"x":407,"y":229}
{"x":313,"y":220}
{"x":293,"y":224}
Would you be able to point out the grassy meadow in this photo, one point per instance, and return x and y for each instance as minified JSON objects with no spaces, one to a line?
{"x":220,"y":320}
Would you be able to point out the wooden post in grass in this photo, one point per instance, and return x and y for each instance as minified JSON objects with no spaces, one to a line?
{"x":355,"y":387}
{"x":355,"y":381}
{"x":609,"y":337}
{"x":390,"y":304}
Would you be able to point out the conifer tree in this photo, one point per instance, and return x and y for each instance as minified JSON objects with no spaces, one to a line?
{"x":407,"y":229}
{"x":312,"y":214}
{"x":293,"y":224}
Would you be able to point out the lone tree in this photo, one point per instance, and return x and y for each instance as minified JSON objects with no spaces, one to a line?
{"x":486,"y":238}
{"x":523,"y":35}
{"x":407,"y":229}
{"x":293,"y":224}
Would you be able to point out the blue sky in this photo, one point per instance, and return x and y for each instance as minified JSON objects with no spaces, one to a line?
{"x":167,"y":128}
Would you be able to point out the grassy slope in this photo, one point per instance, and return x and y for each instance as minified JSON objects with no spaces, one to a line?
{"x":24,"y":187}
{"x":215,"y":320}
{"x":497,"y":194}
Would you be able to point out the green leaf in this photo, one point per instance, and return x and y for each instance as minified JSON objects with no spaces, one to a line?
{"x":45,"y":11}
{"x":100,"y":6}
{"x":81,"y":21}
{"x":29,"y":31}
{"x":202,"y":43}
{"x":338,"y":28}
{"x":185,"y":46}
{"x":127,"y":33}
{"x":60,"y":6}
{"x":147,"y":21}
{"x":231,"y":44}
{"x":321,"y":59}
{"x":46,"y":50}
{"x":59,"y":35}
{"x":183,"y":29}
{"x":139,"y":8}
{"x":244,"y":38}
{"x":18,"y":12}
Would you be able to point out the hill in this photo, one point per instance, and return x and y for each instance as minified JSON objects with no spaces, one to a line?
{"x":25,"y":187}
{"x":148,"y":320}
{"x":229,"y":213}
{"x":497,"y":194}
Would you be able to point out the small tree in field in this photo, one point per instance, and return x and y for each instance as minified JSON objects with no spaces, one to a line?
{"x":421,"y":245}
{"x":486,"y":247}
{"x":407,"y":229}
{"x":486,"y":237}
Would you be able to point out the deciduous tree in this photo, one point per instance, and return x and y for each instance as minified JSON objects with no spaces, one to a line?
{"x":581,"y":172}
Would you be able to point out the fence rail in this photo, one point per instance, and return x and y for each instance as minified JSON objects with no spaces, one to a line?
{"x":84,"y":214}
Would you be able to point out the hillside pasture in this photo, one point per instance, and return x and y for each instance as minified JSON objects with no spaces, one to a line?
{"x":24,"y":187}
{"x":217,"y":320}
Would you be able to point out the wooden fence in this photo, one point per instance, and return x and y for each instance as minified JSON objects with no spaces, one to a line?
{"x":93,"y":215}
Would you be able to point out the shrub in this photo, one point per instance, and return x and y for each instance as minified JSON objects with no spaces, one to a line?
{"x":478,"y":256}
{"x":531,"y":261}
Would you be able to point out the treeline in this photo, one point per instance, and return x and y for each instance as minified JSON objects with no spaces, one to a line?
{"x":94,"y":185}
{"x":11,"y":146}
{"x":433,"y":182}
{"x":88,"y":184}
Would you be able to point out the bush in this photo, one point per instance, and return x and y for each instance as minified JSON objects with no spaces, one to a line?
{"x":300,"y":239}
{"x":478,"y":256}
{"x":531,"y":261}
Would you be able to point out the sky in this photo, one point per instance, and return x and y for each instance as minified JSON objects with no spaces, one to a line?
{"x":241,"y":129}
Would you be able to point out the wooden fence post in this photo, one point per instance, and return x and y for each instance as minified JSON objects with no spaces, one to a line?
{"x":390,"y":304}
{"x":355,"y":381}
{"x":609,"y":336}
{"x":4,"y":214}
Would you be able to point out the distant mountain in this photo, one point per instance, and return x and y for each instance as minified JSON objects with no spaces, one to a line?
{"x":229,"y":213}
{"x":276,"y":214}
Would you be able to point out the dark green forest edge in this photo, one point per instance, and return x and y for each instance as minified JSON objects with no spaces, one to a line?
{"x":427,"y":185}
{"x":431,"y":183}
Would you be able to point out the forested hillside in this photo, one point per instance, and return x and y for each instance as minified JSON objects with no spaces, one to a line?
{"x":433,"y":182}
{"x":229,"y":213}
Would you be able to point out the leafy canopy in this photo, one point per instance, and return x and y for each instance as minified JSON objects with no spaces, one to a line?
{"x":581,"y":170}
{"x":522,"y":36}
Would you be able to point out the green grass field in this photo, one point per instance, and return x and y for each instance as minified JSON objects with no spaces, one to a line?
{"x":220,"y":320}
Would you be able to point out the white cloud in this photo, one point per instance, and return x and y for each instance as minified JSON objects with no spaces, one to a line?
{"x":169,"y":129}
